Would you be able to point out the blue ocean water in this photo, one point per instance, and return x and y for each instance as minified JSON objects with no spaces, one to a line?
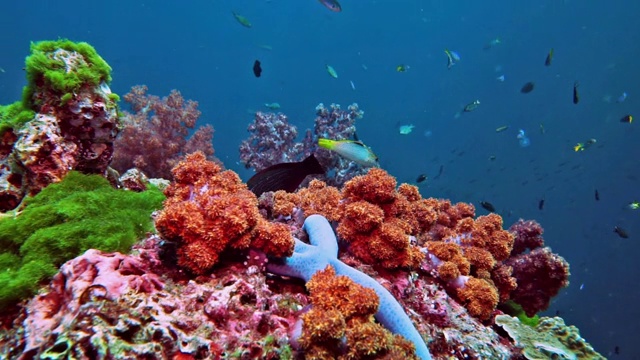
{"x":199,"y":48}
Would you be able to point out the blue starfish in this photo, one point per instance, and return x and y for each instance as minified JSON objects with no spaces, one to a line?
{"x":308,"y":259}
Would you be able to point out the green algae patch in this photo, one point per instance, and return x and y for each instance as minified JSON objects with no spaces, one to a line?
{"x":63,"y":66}
{"x":13,"y":116}
{"x":63,"y":221}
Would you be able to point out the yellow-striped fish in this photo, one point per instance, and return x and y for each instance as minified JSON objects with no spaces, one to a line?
{"x":353,"y":150}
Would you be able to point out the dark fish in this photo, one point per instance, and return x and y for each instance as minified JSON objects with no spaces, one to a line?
{"x":621,"y":232}
{"x":547,"y":61}
{"x":439,"y":172}
{"x":487,"y":206}
{"x":257,"y":70}
{"x":541,"y":204}
{"x":284,"y":176}
{"x":576,"y":97}
{"x":332,"y":5}
{"x":616,"y":350}
{"x":527,"y":88}
{"x":597,"y":194}
{"x":627,"y":119}
{"x":421,"y":178}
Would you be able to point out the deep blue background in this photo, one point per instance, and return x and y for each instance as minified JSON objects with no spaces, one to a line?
{"x":202,"y":51}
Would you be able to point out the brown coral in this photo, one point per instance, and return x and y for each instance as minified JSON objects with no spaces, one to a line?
{"x":208,"y":211}
{"x":480,"y":297}
{"x":343,"y":312}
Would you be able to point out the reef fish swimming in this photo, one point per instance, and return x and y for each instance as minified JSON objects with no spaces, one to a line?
{"x":353,"y":150}
{"x":332,"y":5}
{"x":284,"y":176}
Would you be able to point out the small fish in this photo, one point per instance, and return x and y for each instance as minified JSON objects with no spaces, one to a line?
{"x":284,"y":176}
{"x":541,"y":204}
{"x":355,"y":151}
{"x":581,"y":286}
{"x":621,"y":232}
{"x":241,"y":19}
{"x":542,"y":129}
{"x":1,"y":70}
{"x":502,"y":128}
{"x":635,"y":205}
{"x":528,"y":87}
{"x":402,"y":68}
{"x":421,"y":178}
{"x":597,"y":195}
{"x":487,"y":206}
{"x":616,"y":350}
{"x":500,"y":78}
{"x":332,"y":5}
{"x":440,"y":171}
{"x":257,"y":69}
{"x":272,"y":106}
{"x":622,"y":98}
{"x":492,"y":43}
{"x":584,"y":146}
{"x":406,"y":129}
{"x":471,"y":106}
{"x":452,"y":58}
{"x":627,"y":119}
{"x":353,"y":86}
{"x":547,"y":61}
{"x":492,"y":157}
{"x":265,"y":47}
{"x":331,"y":71}
{"x":576,"y":96}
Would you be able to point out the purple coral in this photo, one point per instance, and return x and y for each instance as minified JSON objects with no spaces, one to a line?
{"x":273,"y":141}
{"x":540,"y":273}
{"x":155,"y":137}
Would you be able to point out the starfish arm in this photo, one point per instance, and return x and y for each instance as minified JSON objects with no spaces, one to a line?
{"x":321,"y":235}
{"x":390,"y":313}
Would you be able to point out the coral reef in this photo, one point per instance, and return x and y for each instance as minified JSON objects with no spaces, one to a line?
{"x":155,"y":137}
{"x":272,"y":141}
{"x":62,"y":221}
{"x":73,"y":120}
{"x":540,"y":273}
{"x":308,"y":260}
{"x":549,"y":339}
{"x":209,"y":210}
{"x":115,"y":306}
{"x":339,"y":324}
{"x":378,"y":221}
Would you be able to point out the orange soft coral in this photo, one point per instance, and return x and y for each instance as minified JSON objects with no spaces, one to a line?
{"x":208,"y":210}
{"x":318,"y":198}
{"x":343,"y":312}
{"x":479,"y":296}
{"x":378,"y":221}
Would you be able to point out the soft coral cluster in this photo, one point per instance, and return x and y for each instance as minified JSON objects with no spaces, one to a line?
{"x":154,"y":137}
{"x":540,"y":273}
{"x":208,"y":211}
{"x":392,"y":227}
{"x":340,"y":323}
{"x":273,"y":141}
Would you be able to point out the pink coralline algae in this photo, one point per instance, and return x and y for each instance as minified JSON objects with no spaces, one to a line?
{"x":273,"y":140}
{"x":114,"y":306}
{"x":155,"y":137}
